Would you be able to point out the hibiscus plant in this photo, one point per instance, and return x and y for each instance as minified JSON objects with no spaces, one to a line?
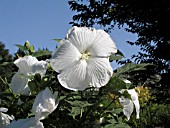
{"x":73,"y":87}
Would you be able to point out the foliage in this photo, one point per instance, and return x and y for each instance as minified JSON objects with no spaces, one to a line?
{"x":154,"y":115}
{"x":27,"y":49}
{"x":6,"y":67}
{"x":88,"y":108}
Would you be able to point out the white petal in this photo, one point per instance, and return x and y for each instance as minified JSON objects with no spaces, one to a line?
{"x":81,"y":37}
{"x":73,"y":77}
{"x":25,"y":64}
{"x":19,"y":84}
{"x":134,"y":97}
{"x":99,"y":71}
{"x":40,"y":67}
{"x":3,"y":109}
{"x":127,"y":81}
{"x":4,"y":120}
{"x":103,"y":45}
{"x":127,"y":106}
{"x":44,"y":104}
{"x":65,"y":55}
{"x":26,"y":123}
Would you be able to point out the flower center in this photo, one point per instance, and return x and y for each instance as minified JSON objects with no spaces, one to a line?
{"x":85,"y":56}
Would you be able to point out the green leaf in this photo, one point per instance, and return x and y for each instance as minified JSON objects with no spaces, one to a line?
{"x":58,"y":40}
{"x":5,"y":63}
{"x":117,"y":56}
{"x":32,"y":85}
{"x":21,"y":47}
{"x":116,"y":84}
{"x":114,"y":111}
{"x":76,"y":111}
{"x":6,"y":95}
{"x":123,"y":125}
{"x":126,"y":94}
{"x":40,"y":53}
{"x":80,"y":104}
{"x":129,"y":67}
{"x":109,"y":126}
{"x":109,"y":104}
{"x":1,"y":58}
{"x":112,"y":121}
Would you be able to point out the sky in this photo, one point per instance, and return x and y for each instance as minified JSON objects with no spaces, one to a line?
{"x":40,"y":21}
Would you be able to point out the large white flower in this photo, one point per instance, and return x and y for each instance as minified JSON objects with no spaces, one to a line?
{"x":4,"y":118}
{"x":26,"y":123}
{"x":82,"y":59}
{"x":128,"y":104}
{"x":45,"y":103}
{"x":28,"y":66}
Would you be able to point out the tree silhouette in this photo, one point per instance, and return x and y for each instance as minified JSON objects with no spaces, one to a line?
{"x":6,"y":69}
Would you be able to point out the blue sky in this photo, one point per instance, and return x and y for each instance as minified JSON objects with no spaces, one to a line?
{"x":39,"y":21}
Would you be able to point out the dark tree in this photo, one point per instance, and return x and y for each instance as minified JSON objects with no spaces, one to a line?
{"x":6,"y":66}
{"x":147,"y":18}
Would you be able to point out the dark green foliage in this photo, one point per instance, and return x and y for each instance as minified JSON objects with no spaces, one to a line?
{"x":152,"y":116}
{"x":4,"y":54}
{"x":27,"y":49}
{"x":6,"y":67}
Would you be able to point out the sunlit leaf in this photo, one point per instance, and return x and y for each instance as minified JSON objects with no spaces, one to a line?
{"x":117,"y":56}
{"x":112,"y":121}
{"x":76,"y":111}
{"x":57,"y":40}
{"x":116,"y":84}
{"x":129,"y":67}
{"x":21,"y":47}
{"x":41,"y":53}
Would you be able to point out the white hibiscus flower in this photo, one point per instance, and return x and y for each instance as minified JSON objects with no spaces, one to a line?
{"x":4,"y":118}
{"x":45,"y":103}
{"x":128,"y":104}
{"x":28,"y":66}
{"x":26,"y":123}
{"x":82,"y":59}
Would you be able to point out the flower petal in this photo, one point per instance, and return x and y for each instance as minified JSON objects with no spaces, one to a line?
{"x":126,"y":81}
{"x":99,"y":71}
{"x":127,"y":106}
{"x":40,"y":67}
{"x":134,"y":97}
{"x":65,"y":54}
{"x":25,"y":63}
{"x":4,"y":119}
{"x":19,"y":84}
{"x":73,"y":77}
{"x":26,"y":123}
{"x":81,"y":37}
{"x":44,"y":104}
{"x":3,"y":109}
{"x":103,"y":45}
